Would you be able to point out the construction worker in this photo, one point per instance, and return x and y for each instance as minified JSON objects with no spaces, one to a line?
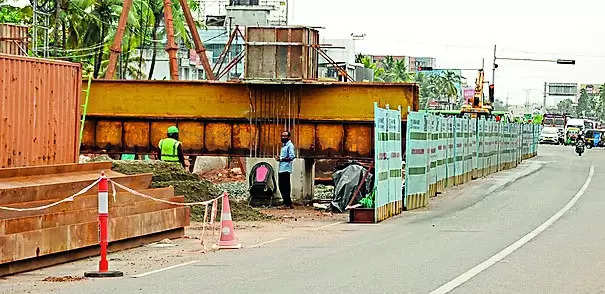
{"x":285,"y":159}
{"x":171,"y":149}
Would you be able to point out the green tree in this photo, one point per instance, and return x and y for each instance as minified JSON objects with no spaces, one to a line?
{"x":585,"y":105}
{"x":566,"y":107}
{"x":15,"y":15}
{"x":378,"y":72}
{"x":601,"y":103}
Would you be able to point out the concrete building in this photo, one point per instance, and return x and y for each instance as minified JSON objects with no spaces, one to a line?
{"x":276,"y":11}
{"x":342,"y":51}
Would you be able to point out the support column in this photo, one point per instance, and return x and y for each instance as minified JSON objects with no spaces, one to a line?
{"x":308,"y":180}
{"x":171,"y":47}
{"x":116,"y":47}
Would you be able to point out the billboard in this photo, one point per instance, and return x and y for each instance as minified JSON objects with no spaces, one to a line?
{"x":468,"y":94}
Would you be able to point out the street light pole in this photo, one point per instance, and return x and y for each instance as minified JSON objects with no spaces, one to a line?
{"x":557,"y":61}
{"x":494,"y":65}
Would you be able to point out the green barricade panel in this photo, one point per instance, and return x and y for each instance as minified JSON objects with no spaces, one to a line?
{"x":416,"y":156}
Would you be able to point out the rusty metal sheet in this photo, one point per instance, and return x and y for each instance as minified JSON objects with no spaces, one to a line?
{"x":13,"y":39}
{"x":358,"y":140}
{"x":218,"y":137}
{"x":39,"y":111}
{"x":136,"y":135}
{"x":330,"y":138}
{"x":159,"y":131}
{"x":108,"y":134}
{"x":191,"y":134}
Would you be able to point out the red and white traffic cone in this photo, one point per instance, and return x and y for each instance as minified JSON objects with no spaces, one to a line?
{"x":103,"y":271}
{"x":227,"y":240}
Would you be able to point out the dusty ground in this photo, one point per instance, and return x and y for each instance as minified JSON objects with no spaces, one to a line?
{"x":302,"y":221}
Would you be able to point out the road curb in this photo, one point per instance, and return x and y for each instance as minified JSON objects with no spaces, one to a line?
{"x":499,"y":187}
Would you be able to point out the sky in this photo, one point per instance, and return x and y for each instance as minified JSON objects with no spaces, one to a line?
{"x":460,"y":33}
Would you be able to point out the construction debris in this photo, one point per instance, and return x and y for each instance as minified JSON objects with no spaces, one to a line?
{"x":322,"y":192}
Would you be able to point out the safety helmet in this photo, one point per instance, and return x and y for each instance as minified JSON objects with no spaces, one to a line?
{"x":173,"y":130}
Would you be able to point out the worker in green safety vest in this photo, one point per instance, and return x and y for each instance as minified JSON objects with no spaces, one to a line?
{"x":171,"y":149}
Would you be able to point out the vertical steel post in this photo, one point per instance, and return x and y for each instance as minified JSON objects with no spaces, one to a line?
{"x":199,"y":46}
{"x":116,"y":47}
{"x":103,"y":215}
{"x":103,"y":201}
{"x":171,"y":47}
{"x":494,"y":68}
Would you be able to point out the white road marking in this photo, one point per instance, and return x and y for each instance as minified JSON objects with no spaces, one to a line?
{"x":461,"y":279}
{"x":266,"y":242}
{"x":165,"y":269}
{"x":327,"y":226}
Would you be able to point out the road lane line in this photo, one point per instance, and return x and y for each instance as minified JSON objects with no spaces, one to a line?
{"x":165,"y":269}
{"x":266,"y":242}
{"x":461,"y":279}
{"x":327,"y":226}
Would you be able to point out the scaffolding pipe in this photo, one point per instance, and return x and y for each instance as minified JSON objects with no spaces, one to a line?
{"x":171,"y":47}
{"x":199,"y":45}
{"x":116,"y":47}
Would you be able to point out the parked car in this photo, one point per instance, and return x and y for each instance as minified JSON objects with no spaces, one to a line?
{"x":549,"y":135}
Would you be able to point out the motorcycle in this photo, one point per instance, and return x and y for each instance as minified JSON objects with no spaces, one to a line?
{"x":580,"y":147}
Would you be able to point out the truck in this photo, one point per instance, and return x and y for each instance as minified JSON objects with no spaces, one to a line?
{"x":572,"y":128}
{"x":558,"y":121}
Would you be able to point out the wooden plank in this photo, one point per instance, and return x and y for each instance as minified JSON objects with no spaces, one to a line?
{"x":37,"y":243}
{"x":62,"y":257}
{"x":53,"y":169}
{"x":66,"y":188}
{"x":38,"y":222}
{"x":83,"y":202}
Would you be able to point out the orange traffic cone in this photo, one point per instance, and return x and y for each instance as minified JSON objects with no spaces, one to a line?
{"x":228,"y":240}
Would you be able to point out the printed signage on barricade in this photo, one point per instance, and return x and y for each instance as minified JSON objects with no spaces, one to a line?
{"x":458,"y":151}
{"x":474,"y":146}
{"x":453,"y":150}
{"x":388,"y":200}
{"x":450,"y":168}
{"x":481,"y":148}
{"x":395,"y":162}
{"x":381,"y":159}
{"x":468,"y":153}
{"x":416,"y":183}
{"x":432,"y":149}
{"x":441,"y":154}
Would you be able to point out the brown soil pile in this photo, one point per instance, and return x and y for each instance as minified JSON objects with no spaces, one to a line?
{"x":189,"y":185}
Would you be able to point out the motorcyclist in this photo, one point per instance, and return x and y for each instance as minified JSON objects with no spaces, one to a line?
{"x":580,"y":143}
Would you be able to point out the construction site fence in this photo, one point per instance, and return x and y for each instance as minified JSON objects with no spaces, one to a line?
{"x":442,"y":152}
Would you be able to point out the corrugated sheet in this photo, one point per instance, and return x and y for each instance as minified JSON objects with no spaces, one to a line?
{"x":39,"y":111}
{"x":13,"y":39}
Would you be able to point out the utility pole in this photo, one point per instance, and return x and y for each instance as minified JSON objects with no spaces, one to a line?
{"x":545,"y":88}
{"x":494,"y":65}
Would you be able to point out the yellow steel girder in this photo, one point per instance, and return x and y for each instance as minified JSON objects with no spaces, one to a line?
{"x":214,"y":118}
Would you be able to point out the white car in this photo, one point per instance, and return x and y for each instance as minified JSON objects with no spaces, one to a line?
{"x":549,"y":135}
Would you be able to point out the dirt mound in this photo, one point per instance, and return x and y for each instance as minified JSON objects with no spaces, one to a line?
{"x":63,"y":279}
{"x":189,"y":185}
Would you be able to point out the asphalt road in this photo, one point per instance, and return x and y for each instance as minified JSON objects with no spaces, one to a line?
{"x":421,"y":251}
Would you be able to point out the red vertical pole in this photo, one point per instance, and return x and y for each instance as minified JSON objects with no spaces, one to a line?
{"x":103,"y":201}
{"x":103,"y":215}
